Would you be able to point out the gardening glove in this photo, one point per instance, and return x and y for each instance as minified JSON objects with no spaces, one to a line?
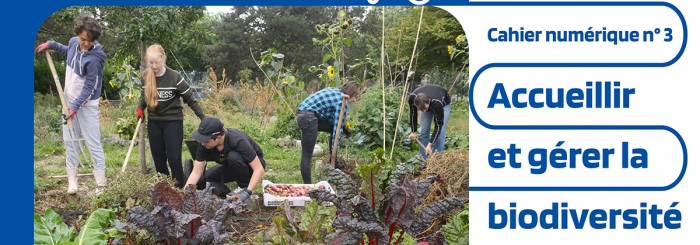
{"x":346,"y":131}
{"x":413,"y":136}
{"x":139,"y":113}
{"x":69,"y":116}
{"x":41,"y":47}
{"x":243,"y":195}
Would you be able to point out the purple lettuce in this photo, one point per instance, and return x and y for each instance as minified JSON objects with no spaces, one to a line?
{"x":358,"y":217}
{"x":190,"y":217}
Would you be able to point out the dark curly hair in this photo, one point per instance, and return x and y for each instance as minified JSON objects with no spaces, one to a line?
{"x":85,"y":22}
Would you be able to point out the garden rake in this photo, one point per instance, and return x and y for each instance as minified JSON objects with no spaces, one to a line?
{"x":66,"y":111}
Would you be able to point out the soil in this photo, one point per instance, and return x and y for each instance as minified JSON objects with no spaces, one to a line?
{"x":252,"y":221}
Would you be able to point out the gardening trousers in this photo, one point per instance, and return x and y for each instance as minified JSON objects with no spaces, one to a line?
{"x":234,"y":169}
{"x":165,"y":138}
{"x":86,"y":125}
{"x":426,"y":120}
{"x":310,"y":126}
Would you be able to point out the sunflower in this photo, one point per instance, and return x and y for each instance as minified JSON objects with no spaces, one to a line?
{"x":449,"y":49}
{"x":331,"y":71}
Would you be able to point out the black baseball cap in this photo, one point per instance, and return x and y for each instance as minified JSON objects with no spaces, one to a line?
{"x":208,"y":128}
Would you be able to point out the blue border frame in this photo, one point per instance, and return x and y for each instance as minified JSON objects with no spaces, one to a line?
{"x":582,"y":127}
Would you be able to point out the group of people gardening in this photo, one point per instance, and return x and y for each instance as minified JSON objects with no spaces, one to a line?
{"x":239,"y":158}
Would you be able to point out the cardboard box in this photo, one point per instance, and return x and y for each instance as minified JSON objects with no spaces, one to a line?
{"x":273,"y":201}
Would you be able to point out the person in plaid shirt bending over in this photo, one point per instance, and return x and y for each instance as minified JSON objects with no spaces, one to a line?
{"x":320,"y":112}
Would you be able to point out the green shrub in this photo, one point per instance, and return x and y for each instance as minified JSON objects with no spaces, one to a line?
{"x":43,"y":79}
{"x":367,"y":118}
{"x":252,"y":130}
{"x":457,"y":229}
{"x":124,"y":193}
{"x":286,"y":125}
{"x":455,"y":140}
{"x":47,"y":121}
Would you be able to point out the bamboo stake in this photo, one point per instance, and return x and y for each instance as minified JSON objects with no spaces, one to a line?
{"x":405,"y":86}
{"x":388,"y":66}
{"x":398,"y":50}
{"x":383,"y":92}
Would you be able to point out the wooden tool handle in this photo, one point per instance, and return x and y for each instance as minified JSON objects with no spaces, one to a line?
{"x":131,"y":146}
{"x":422,"y":146}
{"x":66,"y":111}
{"x":337,"y":131}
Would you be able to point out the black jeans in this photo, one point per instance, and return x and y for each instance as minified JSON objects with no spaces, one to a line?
{"x":165,"y":138}
{"x":235,"y":169}
{"x":310,"y":126}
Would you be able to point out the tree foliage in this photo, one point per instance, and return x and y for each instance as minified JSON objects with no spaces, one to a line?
{"x":438,"y":30}
{"x":194,"y":40}
{"x":128,"y":30}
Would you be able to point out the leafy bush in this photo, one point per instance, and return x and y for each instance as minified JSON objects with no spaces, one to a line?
{"x":456,"y":140}
{"x":47,"y":121}
{"x":126,"y":126}
{"x":43,"y":79}
{"x":370,"y":113}
{"x":286,"y":125}
{"x":51,"y":230}
{"x":126,"y":81}
{"x":252,"y":130}
{"x":310,"y":228}
{"x":457,"y":230}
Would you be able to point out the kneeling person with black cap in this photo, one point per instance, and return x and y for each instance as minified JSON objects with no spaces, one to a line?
{"x":239,"y":159}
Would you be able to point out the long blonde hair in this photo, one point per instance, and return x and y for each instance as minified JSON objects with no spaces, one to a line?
{"x":149,"y":76}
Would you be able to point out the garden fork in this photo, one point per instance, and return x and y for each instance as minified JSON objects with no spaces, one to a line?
{"x":66,"y":111}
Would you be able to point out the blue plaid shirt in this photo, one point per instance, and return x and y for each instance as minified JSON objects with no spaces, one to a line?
{"x":326,"y":104}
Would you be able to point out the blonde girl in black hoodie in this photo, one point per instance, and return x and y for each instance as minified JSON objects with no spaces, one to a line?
{"x":162,"y":90}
